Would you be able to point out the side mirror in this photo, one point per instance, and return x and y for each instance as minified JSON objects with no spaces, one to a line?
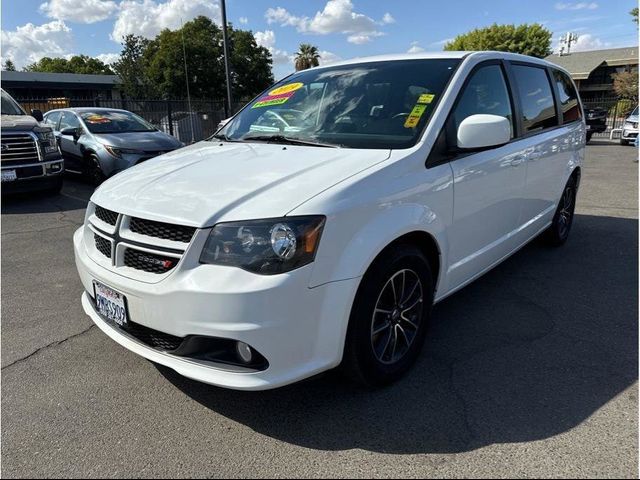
{"x":483,"y":131}
{"x":74,"y":132}
{"x":37,"y":114}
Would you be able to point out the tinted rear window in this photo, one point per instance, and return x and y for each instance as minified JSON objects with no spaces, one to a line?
{"x":568,"y":97}
{"x":538,"y":109}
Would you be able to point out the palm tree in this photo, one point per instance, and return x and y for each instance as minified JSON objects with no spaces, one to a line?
{"x":307,"y":57}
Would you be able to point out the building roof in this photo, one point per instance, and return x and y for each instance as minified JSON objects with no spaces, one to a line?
{"x":581,"y":64}
{"x":66,"y":78}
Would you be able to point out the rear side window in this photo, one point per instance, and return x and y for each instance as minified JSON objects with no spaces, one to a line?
{"x":568,"y":97}
{"x":538,"y":109}
{"x":52,"y":119}
{"x":485,"y":93}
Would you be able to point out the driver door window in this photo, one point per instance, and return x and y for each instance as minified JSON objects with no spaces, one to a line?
{"x":485,"y":93}
{"x":69,"y":120}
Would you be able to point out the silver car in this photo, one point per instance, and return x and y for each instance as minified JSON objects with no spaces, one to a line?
{"x":99,"y":142}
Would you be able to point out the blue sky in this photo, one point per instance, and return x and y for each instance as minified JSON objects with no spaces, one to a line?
{"x":339,"y":28}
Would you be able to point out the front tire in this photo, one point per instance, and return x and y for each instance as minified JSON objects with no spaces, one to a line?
{"x":94,"y":171}
{"x":624,"y":142}
{"x":557,"y":234}
{"x":589,"y":135}
{"x":390,"y":316}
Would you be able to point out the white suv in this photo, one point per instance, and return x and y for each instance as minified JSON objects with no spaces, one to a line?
{"x":318,"y":227}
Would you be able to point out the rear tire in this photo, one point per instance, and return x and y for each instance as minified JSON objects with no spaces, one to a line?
{"x":558,"y":232}
{"x":389,"y":318}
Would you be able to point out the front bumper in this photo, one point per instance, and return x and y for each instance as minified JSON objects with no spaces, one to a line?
{"x":629,"y":133}
{"x":299,"y":330}
{"x":34,"y":176}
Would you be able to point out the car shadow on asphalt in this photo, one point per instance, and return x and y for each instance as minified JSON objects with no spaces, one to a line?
{"x":529,"y":351}
{"x":75,"y":195}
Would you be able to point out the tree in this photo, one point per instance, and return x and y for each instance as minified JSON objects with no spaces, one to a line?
{"x":131,"y":68}
{"x":625,"y":84}
{"x":9,"y":66}
{"x":634,"y":14}
{"x":76,"y":64}
{"x":534,"y":39}
{"x":164,"y":61}
{"x":307,"y":57}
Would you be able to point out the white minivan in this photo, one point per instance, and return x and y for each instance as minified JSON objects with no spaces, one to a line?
{"x":318,"y":227}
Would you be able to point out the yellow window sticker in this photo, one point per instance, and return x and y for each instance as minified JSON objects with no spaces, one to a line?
{"x":270,"y":101}
{"x":291,"y":87}
{"x":414,"y":116}
{"x":426,"y":98}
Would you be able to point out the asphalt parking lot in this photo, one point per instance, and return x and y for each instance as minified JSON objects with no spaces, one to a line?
{"x":530,"y":371}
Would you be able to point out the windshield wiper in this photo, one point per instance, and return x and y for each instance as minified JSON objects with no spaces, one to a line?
{"x":288,"y":140}
{"x":222,"y":136}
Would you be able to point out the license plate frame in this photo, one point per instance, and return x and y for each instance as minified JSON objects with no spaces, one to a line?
{"x":111,"y":304}
{"x":8,"y":176}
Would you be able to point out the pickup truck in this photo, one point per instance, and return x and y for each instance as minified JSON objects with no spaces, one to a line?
{"x":29,"y":155}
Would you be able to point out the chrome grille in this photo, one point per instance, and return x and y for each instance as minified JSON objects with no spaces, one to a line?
{"x":107,"y":216}
{"x":18,"y":149}
{"x":165,"y":231}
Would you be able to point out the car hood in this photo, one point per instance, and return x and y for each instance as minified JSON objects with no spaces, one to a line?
{"x":148,"y":141}
{"x":210,"y":182}
{"x":18,"y":122}
{"x":632,"y":118}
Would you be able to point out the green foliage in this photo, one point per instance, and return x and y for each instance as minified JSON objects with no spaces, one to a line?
{"x":634,"y":14}
{"x":307,"y":57}
{"x":163,"y":62}
{"x":534,"y":39}
{"x":131,"y":68}
{"x":76,"y":64}
{"x":9,"y":66}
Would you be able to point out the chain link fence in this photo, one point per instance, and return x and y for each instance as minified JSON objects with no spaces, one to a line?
{"x":187,"y":121}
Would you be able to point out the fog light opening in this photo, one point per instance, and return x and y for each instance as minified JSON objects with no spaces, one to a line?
{"x":244,"y":352}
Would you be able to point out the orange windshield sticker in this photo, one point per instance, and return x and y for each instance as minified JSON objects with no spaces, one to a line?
{"x":291,"y":87}
{"x":414,"y":116}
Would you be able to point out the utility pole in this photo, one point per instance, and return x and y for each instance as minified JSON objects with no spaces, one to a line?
{"x":567,"y":41}
{"x":225,"y":47}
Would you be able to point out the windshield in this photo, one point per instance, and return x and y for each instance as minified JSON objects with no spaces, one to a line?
{"x":9,"y":106}
{"x":369,"y":105}
{"x":105,"y":121}
{"x":635,"y":112}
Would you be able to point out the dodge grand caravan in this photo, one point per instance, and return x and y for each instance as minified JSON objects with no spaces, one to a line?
{"x":318,"y":227}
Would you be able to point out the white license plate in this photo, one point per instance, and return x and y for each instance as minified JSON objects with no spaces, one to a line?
{"x":9,"y":175}
{"x":111,"y":304}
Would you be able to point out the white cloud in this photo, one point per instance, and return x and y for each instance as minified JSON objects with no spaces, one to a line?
{"x":148,"y":17}
{"x":585,"y":42}
{"x":243,"y":20}
{"x":415,"y":48}
{"x":327,"y":58}
{"x":29,"y":43}
{"x":87,"y":11}
{"x":387,"y":18}
{"x":337,"y":16}
{"x":441,"y":43}
{"x":576,"y":6}
{"x":108,"y":58}
{"x":267,"y":39}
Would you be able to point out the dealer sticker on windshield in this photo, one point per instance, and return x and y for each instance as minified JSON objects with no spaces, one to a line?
{"x":278,"y":96}
{"x":426,"y":98}
{"x":414,"y":116}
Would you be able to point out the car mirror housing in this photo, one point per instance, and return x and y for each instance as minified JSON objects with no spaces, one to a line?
{"x":483,"y":131}
{"x":37,"y":114}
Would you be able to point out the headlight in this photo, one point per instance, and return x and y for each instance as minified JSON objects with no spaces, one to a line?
{"x":118,"y":152}
{"x":628,"y":125}
{"x":47,"y":139}
{"x":264,"y":246}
